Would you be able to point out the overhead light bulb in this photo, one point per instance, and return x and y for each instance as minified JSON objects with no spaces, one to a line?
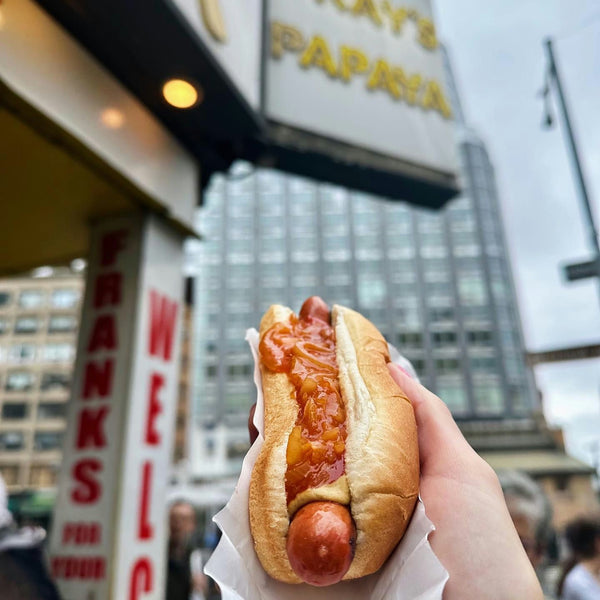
{"x":112,"y":118}
{"x":181,"y":94}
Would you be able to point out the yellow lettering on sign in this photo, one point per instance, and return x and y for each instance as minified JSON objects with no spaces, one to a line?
{"x":352,"y":60}
{"x":213,"y":19}
{"x":285,"y":37}
{"x":434,"y":99}
{"x":382,"y":78}
{"x":367,"y":7}
{"x":339,"y":3}
{"x":427,"y":37}
{"x":397,"y":16}
{"x":410,"y":85}
{"x":317,"y":54}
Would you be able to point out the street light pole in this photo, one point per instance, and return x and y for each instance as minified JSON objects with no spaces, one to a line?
{"x":592,"y":231}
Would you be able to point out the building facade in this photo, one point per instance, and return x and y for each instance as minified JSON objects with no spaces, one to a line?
{"x":437,"y":284}
{"x":39,"y":320}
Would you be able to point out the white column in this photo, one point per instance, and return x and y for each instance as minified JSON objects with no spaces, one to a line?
{"x":109,"y":533}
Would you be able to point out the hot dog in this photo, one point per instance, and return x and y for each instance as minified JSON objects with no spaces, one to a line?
{"x":336,"y":480}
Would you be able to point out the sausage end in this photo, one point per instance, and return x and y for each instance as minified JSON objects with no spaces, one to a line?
{"x":321,"y":541}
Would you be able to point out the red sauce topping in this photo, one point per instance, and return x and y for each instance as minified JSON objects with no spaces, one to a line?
{"x":304,"y":349}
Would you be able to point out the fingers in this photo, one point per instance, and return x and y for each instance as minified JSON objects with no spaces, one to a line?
{"x":442,"y":446}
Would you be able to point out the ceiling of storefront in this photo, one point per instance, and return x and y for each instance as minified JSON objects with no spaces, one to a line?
{"x":51,"y":187}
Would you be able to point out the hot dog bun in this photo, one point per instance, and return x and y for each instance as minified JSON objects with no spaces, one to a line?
{"x":380,"y":485}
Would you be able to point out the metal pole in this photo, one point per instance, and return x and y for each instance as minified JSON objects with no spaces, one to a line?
{"x":592,"y":231}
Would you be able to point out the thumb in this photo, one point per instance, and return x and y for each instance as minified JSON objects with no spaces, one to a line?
{"x":442,"y":447}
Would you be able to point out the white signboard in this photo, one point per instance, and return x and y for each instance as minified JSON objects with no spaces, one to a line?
{"x":109,"y":527}
{"x":365,"y":72}
{"x":232,"y":30}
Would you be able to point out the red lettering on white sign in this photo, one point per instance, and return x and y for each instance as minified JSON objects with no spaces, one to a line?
{"x":110,"y":245}
{"x":89,"y":488}
{"x":141,"y":578}
{"x":90,"y":430}
{"x":157,"y":381}
{"x":145,"y":528}
{"x":104,"y":334}
{"x":78,"y":567}
{"x":108,"y":290}
{"x":97,"y":379}
{"x":163,"y":315}
{"x":81,"y":533}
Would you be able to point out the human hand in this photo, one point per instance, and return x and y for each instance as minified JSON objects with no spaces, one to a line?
{"x":475,"y":539}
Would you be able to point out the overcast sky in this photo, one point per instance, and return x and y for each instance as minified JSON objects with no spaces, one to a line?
{"x":497,"y":52}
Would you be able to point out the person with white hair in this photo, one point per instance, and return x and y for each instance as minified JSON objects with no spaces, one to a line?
{"x":531,"y":514}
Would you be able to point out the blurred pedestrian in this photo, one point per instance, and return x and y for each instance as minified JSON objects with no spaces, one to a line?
{"x":185,"y":576}
{"x":581,"y":575}
{"x":23,"y":573}
{"x":531,"y":513}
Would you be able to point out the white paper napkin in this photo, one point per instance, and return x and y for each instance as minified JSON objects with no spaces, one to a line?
{"x":412,"y":572}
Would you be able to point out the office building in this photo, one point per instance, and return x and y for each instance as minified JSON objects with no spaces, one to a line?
{"x":437,"y":284}
{"x":39,"y":319}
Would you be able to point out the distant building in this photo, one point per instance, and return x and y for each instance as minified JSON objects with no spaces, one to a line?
{"x":531,"y":446}
{"x":39,"y":322}
{"x":183,"y":419}
{"x":39,"y":319}
{"x":438,"y":285}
